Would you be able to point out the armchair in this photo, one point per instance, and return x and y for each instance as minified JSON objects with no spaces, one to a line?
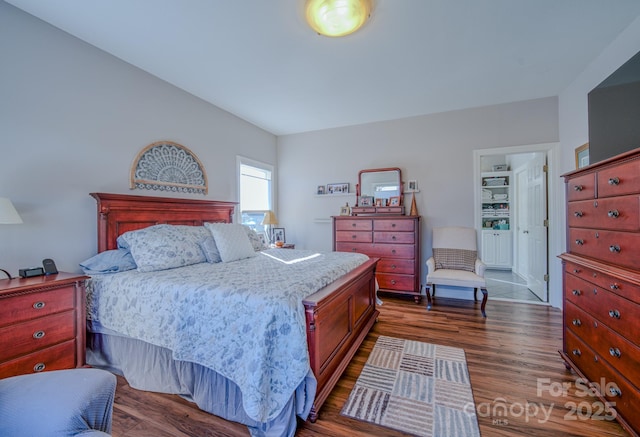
{"x":455,"y":263}
{"x":57,"y":403}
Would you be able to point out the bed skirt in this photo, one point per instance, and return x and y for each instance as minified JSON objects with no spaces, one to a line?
{"x":152,"y":368}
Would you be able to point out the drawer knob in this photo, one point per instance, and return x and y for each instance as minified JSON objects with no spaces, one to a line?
{"x":393,"y":282}
{"x":579,"y":242}
{"x":38,"y":334}
{"x":39,"y":305}
{"x":393,"y":225}
{"x":615,"y":391}
{"x":614,"y":213}
{"x":615,"y":352}
{"x":353,"y":249}
{"x":353,"y":225}
{"x":614,"y":314}
{"x":614,"y":286}
{"x":393,"y":266}
{"x":578,"y":213}
{"x":614,"y":248}
{"x":614,"y":181}
{"x":578,"y":187}
{"x":576,"y":292}
{"x":576,"y":271}
{"x":393,"y":237}
{"x":393,"y":251}
{"x":39,"y":367}
{"x":576,"y":322}
{"x":576,"y":352}
{"x":354,"y":236}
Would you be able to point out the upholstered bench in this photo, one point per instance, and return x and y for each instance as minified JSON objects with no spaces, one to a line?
{"x":57,"y":403}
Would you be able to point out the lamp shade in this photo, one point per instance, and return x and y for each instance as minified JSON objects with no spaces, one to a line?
{"x":8,"y":213}
{"x":337,"y":17}
{"x":269,"y":218}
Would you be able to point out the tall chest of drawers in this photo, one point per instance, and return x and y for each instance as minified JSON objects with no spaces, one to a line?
{"x":393,"y":239}
{"x":42,"y":324}
{"x":601,"y":277}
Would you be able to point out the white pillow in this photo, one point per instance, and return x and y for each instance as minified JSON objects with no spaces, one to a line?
{"x":231,"y":240}
{"x":161,"y":247}
{"x":210,"y":249}
{"x":255,"y":240}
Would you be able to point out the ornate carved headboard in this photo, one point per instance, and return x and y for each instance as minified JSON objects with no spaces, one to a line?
{"x":119,"y":213}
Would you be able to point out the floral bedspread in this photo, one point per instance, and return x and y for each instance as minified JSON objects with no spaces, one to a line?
{"x":244,"y":319}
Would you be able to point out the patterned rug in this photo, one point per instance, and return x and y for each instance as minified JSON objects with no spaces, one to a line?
{"x":414,"y":387}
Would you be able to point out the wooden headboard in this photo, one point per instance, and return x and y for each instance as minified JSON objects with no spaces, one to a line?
{"x":119,"y":213}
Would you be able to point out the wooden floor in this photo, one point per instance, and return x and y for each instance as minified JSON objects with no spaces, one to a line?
{"x":510,"y":355}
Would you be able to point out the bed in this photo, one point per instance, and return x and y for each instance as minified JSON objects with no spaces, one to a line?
{"x":334,"y":318}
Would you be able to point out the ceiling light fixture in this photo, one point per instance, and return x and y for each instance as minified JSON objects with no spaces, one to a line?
{"x":337,"y":17}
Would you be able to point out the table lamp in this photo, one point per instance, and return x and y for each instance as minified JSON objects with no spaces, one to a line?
{"x":8,"y":216}
{"x":270,"y":220}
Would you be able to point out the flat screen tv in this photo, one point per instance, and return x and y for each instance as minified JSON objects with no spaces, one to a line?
{"x":614,"y":113}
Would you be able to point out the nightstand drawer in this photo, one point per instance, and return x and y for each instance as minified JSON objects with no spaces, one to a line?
{"x":26,"y":337}
{"x":32,"y":305}
{"x":58,"y":357}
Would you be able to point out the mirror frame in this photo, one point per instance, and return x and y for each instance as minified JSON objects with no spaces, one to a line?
{"x":377,"y":170}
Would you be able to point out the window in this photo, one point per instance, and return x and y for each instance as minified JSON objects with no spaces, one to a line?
{"x":256,"y":192}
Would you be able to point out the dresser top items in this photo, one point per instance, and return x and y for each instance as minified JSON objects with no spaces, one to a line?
{"x":379,"y":191}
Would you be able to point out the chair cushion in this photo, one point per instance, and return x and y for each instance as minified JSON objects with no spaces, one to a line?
{"x":455,"y":259}
{"x":456,"y":278}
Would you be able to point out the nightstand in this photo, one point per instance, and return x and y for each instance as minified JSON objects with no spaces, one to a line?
{"x":42,"y":323}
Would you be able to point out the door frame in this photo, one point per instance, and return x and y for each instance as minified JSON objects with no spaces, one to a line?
{"x":554,"y":185}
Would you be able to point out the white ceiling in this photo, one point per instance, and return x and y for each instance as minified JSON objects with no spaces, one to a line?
{"x":258,"y":59}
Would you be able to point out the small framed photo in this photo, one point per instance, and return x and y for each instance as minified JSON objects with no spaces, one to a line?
{"x":366,"y":201}
{"x":278,"y":235}
{"x":394,"y":201}
{"x":320,"y":189}
{"x":345,"y":210}
{"x":342,"y":188}
{"x":582,"y":156}
{"x":412,"y":186}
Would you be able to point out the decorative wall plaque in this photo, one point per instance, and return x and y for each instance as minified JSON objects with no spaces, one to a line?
{"x":168,"y":166}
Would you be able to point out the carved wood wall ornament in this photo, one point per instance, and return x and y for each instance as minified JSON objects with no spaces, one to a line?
{"x":168,"y":166}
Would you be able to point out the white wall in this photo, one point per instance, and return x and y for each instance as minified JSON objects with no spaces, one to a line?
{"x":573,"y":109}
{"x":72,"y":120}
{"x":436,"y":150}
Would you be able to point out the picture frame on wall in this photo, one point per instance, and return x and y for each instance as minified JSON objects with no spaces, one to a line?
{"x":278,"y":235}
{"x":320,"y":189}
{"x":582,"y":156}
{"x":342,"y":188}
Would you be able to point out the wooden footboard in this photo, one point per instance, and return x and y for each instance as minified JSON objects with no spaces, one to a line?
{"x":338,"y":319}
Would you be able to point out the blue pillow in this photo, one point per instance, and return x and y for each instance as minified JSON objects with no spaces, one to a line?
{"x":110,"y":261}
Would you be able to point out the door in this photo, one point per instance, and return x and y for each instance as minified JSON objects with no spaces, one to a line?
{"x":537,"y":232}
{"x":522,"y":222}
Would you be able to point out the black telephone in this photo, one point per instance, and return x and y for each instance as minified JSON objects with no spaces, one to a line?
{"x":49,"y":267}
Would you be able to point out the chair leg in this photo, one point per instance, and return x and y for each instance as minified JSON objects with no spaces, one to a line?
{"x":475,"y":294}
{"x":484,"y":302}
{"x":433,"y":291}
{"x":427,"y":290}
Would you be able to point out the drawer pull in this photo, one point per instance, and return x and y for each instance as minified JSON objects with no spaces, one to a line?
{"x":614,"y":314}
{"x":576,"y":352}
{"x":614,"y":181}
{"x":576,"y":271}
{"x":615,"y":391}
{"x":39,"y":367}
{"x":614,"y":248}
{"x":614,"y":213}
{"x":578,"y":187}
{"x":614,"y":286}
{"x":579,"y":242}
{"x":576,"y":322}
{"x":353,"y":249}
{"x":393,"y":225}
{"x":393,"y":237}
{"x":38,"y":335}
{"x":615,"y":352}
{"x":578,"y":213}
{"x":393,"y":282}
{"x":354,"y":236}
{"x":393,"y":266}
{"x":393,"y":251}
{"x":353,"y":225}
{"x":576,"y":292}
{"x":39,"y":305}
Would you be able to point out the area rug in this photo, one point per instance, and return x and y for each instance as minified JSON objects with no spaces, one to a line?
{"x":415,"y":387}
